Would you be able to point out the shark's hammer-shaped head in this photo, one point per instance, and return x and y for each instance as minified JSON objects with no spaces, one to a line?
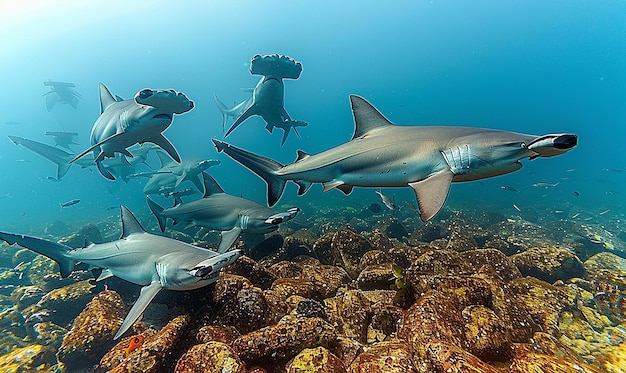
{"x":551,"y":145}
{"x":208,"y":270}
{"x":492,"y":153}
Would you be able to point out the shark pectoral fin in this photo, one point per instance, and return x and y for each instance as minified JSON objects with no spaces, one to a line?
{"x":432,"y":192}
{"x":145,"y":297}
{"x":332,"y":185}
{"x":245,"y":115}
{"x":303,"y":186}
{"x":228,"y":237}
{"x":62,"y":169}
{"x":346,"y":189}
{"x":103,"y":171}
{"x":166,"y":145}
{"x":106,"y":273}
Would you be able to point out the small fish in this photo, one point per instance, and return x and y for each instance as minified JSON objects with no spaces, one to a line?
{"x":112,"y":208}
{"x":575,"y":193}
{"x":69,"y":203}
{"x":388,"y":202}
{"x":22,"y":160}
{"x":134,"y":344}
{"x":545,"y":185}
{"x":8,"y":195}
{"x":509,"y":188}
{"x":517,"y":208}
{"x":576,"y":215}
{"x":605,"y":211}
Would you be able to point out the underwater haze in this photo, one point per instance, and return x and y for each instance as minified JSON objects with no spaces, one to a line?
{"x":530,"y":67}
{"x":525,"y":67}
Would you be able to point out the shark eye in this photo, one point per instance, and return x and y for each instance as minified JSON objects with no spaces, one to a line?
{"x":523,"y":145}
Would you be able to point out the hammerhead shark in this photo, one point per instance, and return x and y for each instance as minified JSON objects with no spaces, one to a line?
{"x":123,"y":123}
{"x":268,"y":97}
{"x":59,"y":157}
{"x":172,"y":174}
{"x":154,"y":262}
{"x":61,"y":92}
{"x":63,"y":139}
{"x":383,"y":154}
{"x":119,"y":165}
{"x":217,"y":210}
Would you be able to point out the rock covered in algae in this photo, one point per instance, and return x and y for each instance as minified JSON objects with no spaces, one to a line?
{"x":210,"y":357}
{"x":152,"y":355}
{"x":325,"y":279}
{"x":91,"y":335}
{"x":31,"y":358}
{"x":387,"y":357}
{"x":284,"y":340}
{"x":212,"y":333}
{"x":345,"y":247}
{"x":502,"y":264}
{"x":447,"y":357}
{"x":549,"y":264}
{"x":535,"y":362}
{"x":315,"y":360}
{"x":68,"y":301}
{"x":485,"y":333}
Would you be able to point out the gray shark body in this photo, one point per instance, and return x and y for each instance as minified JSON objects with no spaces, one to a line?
{"x":118,"y":165}
{"x":223,"y":212}
{"x":123,"y":123}
{"x":63,"y":139}
{"x":57,"y":156}
{"x":426,"y":158}
{"x":268,"y":97}
{"x":145,"y":259}
{"x":61,"y":92}
{"x":172,"y":174}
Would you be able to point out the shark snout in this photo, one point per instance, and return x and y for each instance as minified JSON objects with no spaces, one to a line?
{"x":551,"y":145}
{"x":565,"y":141}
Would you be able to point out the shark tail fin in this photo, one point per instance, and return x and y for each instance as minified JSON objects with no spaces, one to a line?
{"x":264,"y":167}
{"x":52,"y":250}
{"x":223,"y":109}
{"x":158,"y":213}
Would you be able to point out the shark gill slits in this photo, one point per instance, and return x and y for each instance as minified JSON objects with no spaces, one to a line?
{"x":565,"y":141}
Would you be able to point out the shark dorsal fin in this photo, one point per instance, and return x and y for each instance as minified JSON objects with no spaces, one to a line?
{"x":210,"y":185}
{"x":130,"y":224}
{"x":301,"y":155}
{"x":106,"y":98}
{"x":164,"y":158}
{"x":366,"y":117}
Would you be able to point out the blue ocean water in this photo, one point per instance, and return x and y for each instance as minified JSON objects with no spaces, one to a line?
{"x":532,"y":67}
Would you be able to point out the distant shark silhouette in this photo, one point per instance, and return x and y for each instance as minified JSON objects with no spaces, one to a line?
{"x":145,"y":259}
{"x":382,"y":154}
{"x":268,"y":96}
{"x":118,"y":165}
{"x":61,"y":92}
{"x":123,"y":123}
{"x":63,"y":139}
{"x":171,"y":174}
{"x":220,"y":211}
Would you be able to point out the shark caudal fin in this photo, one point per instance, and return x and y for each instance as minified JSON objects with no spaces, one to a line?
{"x":264,"y":167}
{"x":57,"y":156}
{"x":157,"y":211}
{"x":52,"y":250}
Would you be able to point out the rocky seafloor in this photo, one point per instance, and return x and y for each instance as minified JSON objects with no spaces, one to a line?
{"x":341,"y":291}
